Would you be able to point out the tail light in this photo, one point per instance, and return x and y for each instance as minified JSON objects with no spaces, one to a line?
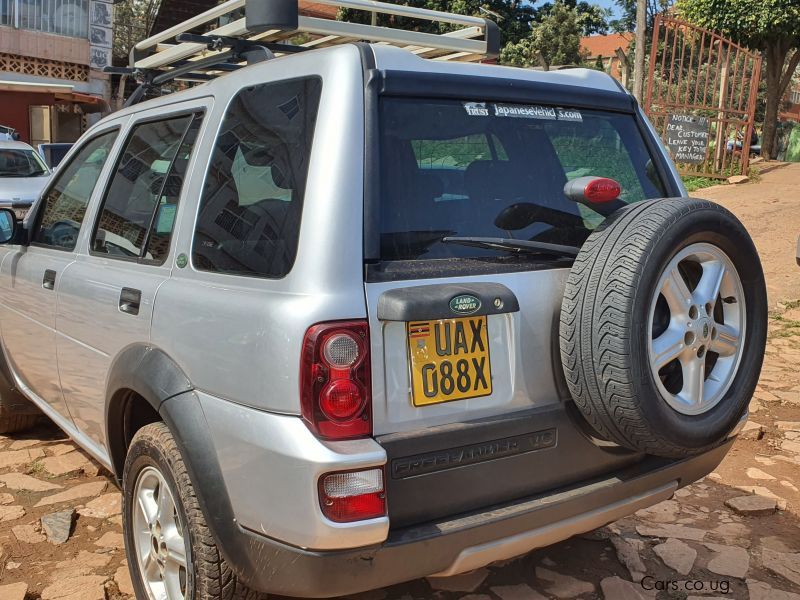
{"x":602,"y":189}
{"x":335,"y":380}
{"x":352,"y":495}
{"x":592,"y":190}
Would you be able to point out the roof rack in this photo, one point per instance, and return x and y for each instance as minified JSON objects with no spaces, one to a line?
{"x":272,"y":24}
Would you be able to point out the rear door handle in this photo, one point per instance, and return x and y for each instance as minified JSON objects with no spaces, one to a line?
{"x":129,"y":300}
{"x":49,"y":279}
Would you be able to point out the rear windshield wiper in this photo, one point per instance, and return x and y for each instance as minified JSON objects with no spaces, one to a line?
{"x":510,"y":245}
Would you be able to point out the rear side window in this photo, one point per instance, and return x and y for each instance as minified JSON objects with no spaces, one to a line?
{"x":452,"y":168}
{"x":64,"y":204}
{"x":249,"y":218}
{"x":138,"y":211}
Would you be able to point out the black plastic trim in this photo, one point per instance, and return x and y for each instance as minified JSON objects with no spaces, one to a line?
{"x":469,"y":87}
{"x":272,"y":566}
{"x":148,"y":372}
{"x":421,"y":302}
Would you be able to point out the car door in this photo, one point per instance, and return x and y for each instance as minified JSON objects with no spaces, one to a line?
{"x":106,"y":296}
{"x":31,"y":274}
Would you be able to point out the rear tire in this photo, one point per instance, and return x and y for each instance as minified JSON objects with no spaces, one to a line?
{"x":618,"y":306}
{"x":154,"y":456}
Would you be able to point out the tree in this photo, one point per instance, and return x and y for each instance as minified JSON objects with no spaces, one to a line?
{"x":627,"y":20}
{"x":133,"y":20}
{"x":593,"y":18}
{"x":771,"y":26}
{"x":514,"y":17}
{"x":556,"y":40}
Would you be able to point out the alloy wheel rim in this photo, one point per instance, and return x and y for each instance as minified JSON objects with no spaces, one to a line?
{"x":696,"y":329}
{"x":159,"y":540}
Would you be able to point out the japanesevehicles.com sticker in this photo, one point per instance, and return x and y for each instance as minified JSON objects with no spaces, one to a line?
{"x":522,"y":111}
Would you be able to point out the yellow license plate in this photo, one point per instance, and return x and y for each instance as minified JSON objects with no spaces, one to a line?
{"x":449,"y":360}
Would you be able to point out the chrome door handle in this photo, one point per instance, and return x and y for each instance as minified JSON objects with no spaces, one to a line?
{"x":129,"y":301}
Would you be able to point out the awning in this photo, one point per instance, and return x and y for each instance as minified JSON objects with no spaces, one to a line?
{"x":63,"y":92}
{"x":87,"y":102}
{"x":41,"y":88}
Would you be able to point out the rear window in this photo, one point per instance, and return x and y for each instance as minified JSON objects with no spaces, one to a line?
{"x":451,"y":168}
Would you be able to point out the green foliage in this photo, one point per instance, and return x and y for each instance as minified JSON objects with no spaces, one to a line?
{"x":754,"y":23}
{"x":592,"y":18}
{"x":627,"y":9}
{"x":697,"y":183}
{"x":554,"y":41}
{"x":133,"y":20}
{"x":513,"y":17}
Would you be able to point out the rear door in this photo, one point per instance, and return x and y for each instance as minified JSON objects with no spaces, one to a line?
{"x":459,"y":169}
{"x":468,"y":333}
{"x":107,"y":294}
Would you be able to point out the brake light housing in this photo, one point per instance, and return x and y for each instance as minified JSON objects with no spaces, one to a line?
{"x":591,"y":190}
{"x":335,"y":384}
{"x":348,"y":496}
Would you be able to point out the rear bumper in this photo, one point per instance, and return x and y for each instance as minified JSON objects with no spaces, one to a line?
{"x":469,"y":541}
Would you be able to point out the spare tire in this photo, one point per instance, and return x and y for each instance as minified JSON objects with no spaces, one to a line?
{"x":663,"y":326}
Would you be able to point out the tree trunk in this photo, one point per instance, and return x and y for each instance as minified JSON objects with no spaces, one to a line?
{"x":779,"y":76}
{"x":774,"y":59}
{"x":639,"y":50}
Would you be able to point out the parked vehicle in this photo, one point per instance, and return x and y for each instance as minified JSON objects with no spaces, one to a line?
{"x":23,"y":174}
{"x":53,"y":153}
{"x":350,"y":317}
{"x":8,"y":134}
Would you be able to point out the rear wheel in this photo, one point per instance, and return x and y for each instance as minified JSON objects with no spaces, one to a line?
{"x":663,"y":326}
{"x":171,"y":552}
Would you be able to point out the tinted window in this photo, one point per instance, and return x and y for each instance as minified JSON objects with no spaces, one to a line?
{"x":250,"y":211}
{"x":64,"y":205}
{"x":144,"y":190}
{"x":21,"y":163}
{"x":451,"y":168}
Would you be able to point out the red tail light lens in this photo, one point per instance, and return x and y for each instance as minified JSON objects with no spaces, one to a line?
{"x":602,"y":189}
{"x":352,"y":495}
{"x":335,"y":380}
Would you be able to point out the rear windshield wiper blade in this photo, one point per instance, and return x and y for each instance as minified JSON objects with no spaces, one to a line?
{"x":510,"y":245}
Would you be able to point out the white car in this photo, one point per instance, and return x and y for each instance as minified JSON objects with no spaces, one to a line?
{"x":23,"y":174}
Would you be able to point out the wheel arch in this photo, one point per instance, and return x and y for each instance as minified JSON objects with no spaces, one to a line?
{"x":141,"y":378}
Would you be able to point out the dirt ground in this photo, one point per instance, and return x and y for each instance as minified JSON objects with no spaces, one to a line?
{"x":691,"y":547}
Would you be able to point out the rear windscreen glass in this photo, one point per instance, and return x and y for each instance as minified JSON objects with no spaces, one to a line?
{"x":455,"y":168}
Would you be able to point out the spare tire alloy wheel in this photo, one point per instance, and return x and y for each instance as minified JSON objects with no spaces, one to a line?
{"x":159,"y":538}
{"x":704,"y":333}
{"x":663,"y":326}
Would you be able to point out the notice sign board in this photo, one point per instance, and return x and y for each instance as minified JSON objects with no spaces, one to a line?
{"x":687,"y":138}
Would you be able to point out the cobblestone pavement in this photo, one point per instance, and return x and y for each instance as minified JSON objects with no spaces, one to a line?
{"x":736,"y":534}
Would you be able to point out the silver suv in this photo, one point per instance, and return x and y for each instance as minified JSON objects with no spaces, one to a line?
{"x":351,"y":317}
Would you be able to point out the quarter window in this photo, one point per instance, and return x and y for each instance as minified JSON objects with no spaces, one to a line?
{"x":139,"y":208}
{"x":249,"y":218}
{"x":64,"y":204}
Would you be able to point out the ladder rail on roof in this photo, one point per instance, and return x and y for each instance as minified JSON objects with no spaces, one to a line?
{"x":475,"y":38}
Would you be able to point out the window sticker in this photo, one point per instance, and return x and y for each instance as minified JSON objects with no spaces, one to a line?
{"x":476,"y":109}
{"x":547,"y":113}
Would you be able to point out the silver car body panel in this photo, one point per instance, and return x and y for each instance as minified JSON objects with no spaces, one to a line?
{"x":290,"y":460}
{"x":521,"y":354}
{"x":261,"y":332}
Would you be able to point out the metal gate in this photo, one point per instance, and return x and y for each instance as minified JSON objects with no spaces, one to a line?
{"x":701,"y":97}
